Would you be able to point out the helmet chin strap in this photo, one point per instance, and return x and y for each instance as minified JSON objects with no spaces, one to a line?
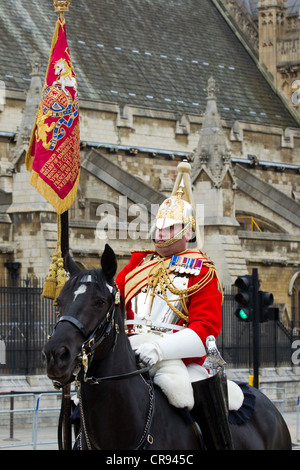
{"x":176,"y":237}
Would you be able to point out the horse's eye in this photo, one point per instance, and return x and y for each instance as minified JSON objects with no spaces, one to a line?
{"x":99,"y":302}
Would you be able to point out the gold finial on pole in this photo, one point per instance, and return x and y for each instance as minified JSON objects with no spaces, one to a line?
{"x":60,"y":6}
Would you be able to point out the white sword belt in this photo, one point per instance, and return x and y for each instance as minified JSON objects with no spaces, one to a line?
{"x":153,"y":325}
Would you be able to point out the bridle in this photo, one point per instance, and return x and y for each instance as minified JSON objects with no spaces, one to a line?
{"x":102,"y":331}
{"x":93,"y":340}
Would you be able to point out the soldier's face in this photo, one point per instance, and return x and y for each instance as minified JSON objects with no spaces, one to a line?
{"x":167,"y":233}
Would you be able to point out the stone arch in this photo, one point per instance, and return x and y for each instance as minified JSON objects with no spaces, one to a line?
{"x":256,"y":222}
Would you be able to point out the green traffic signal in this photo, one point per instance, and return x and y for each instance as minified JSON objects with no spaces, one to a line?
{"x":244,"y":298}
{"x":250,"y":299}
{"x":242,"y":314}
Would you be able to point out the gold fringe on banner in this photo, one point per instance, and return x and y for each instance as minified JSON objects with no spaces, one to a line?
{"x":56,"y":277}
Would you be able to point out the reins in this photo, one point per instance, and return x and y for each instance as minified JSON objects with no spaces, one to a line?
{"x":95,"y":339}
{"x":96,"y":381}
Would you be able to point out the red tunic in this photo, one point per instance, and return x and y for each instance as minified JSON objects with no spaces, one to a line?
{"x":204,"y":306}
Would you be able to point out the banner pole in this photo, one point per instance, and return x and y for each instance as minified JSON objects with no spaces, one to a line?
{"x":66,"y":441}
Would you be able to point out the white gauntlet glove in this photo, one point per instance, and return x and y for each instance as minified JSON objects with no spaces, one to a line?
{"x":185,"y":343}
{"x":149,"y":353}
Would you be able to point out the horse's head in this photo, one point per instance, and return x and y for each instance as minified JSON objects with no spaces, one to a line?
{"x":60,"y":67}
{"x":83,"y":304}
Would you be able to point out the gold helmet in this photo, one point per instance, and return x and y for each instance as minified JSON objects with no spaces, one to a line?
{"x":178,"y":208}
{"x":175,"y":210}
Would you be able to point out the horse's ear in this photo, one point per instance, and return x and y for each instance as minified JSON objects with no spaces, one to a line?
{"x":109,"y":262}
{"x":70,"y":265}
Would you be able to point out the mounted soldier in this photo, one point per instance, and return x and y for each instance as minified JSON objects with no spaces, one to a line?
{"x":173,"y":304}
{"x":173,"y":301}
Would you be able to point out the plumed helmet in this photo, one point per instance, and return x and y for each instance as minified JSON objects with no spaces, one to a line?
{"x":175,"y":210}
{"x":179,"y":208}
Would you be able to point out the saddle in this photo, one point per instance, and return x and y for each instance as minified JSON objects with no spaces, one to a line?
{"x":173,"y":379}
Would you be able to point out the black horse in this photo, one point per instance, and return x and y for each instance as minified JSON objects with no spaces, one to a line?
{"x":120,"y":409}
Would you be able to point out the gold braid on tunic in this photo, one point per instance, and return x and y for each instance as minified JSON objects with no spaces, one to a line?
{"x":159,"y":275}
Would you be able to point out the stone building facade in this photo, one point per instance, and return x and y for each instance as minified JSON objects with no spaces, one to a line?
{"x":272,"y":31}
{"x":182,"y":97}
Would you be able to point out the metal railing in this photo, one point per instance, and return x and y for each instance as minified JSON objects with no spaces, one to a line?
{"x":32,"y":412}
{"x":298,"y":419}
{"x":252,"y":222}
{"x":276,"y":395}
{"x":235,"y":341}
{"x":26,"y":320}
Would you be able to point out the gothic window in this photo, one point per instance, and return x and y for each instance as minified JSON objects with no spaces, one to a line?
{"x":295,"y":294}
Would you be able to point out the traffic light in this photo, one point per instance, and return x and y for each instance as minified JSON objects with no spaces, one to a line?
{"x":244,"y":298}
{"x":265,"y":311}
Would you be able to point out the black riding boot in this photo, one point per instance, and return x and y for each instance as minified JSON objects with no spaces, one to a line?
{"x":211,"y":413}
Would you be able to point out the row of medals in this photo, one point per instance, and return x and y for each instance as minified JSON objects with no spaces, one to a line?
{"x":183,"y":265}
